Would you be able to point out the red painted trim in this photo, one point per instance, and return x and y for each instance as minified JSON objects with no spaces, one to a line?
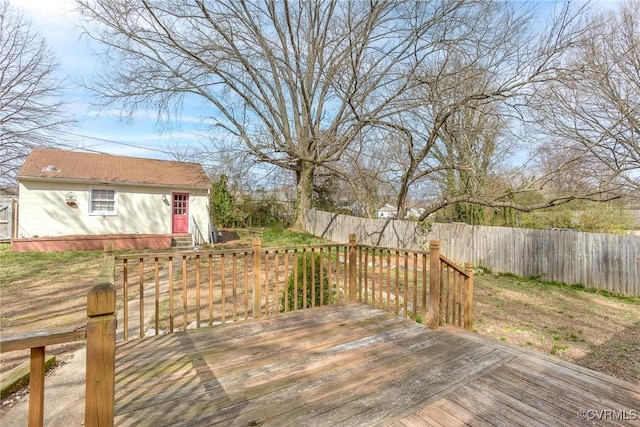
{"x":89,"y":243}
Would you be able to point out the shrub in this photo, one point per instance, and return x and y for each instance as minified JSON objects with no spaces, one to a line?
{"x":308,"y":266}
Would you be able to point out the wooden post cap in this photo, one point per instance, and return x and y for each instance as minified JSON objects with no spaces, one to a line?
{"x":101,"y":300}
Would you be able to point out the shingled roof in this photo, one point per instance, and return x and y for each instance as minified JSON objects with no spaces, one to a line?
{"x":45,"y":163}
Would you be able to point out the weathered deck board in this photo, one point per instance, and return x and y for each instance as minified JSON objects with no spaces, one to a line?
{"x":350,"y":365}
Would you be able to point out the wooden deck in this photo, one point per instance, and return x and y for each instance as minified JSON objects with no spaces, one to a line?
{"x":352,"y":365}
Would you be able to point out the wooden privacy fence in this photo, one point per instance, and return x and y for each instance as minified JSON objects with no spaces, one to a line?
{"x":181,"y":290}
{"x":601,"y":261}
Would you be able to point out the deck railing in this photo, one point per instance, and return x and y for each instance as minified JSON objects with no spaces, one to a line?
{"x":99,"y":334}
{"x":210,"y":287}
{"x":180,"y":290}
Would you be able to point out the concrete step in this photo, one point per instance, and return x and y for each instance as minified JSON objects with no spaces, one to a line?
{"x":181,"y":242}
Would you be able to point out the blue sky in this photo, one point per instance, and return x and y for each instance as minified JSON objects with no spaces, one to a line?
{"x":102,"y":131}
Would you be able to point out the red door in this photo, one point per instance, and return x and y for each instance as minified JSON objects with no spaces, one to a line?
{"x":180,"y":212}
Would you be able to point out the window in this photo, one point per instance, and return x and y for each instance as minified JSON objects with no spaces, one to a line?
{"x":103,"y":201}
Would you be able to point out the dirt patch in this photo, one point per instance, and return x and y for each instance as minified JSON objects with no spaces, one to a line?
{"x":593,"y":330}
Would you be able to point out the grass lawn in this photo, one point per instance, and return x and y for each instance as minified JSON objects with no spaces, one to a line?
{"x":599,"y":331}
{"x":592,"y":329}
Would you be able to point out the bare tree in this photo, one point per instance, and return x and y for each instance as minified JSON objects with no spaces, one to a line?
{"x":30,"y":109}
{"x":472,"y":144}
{"x":489,"y":73}
{"x":596,"y":106}
{"x":295,"y":82}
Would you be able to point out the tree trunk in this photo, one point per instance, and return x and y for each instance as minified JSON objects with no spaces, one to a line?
{"x":401,"y":201}
{"x":304,"y":191}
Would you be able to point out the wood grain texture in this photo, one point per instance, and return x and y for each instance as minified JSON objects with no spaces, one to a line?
{"x":350,"y":365}
{"x":41,"y":338}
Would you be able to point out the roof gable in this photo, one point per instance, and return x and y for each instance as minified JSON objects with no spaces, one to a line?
{"x":51,"y":164}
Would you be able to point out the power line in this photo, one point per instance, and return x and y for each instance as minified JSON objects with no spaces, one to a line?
{"x":127,"y":144}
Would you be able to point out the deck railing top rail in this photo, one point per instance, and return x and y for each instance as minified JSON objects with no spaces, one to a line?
{"x":217,"y":251}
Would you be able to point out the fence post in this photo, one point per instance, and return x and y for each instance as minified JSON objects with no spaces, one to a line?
{"x":101,"y":354}
{"x":257,"y":300}
{"x":468,"y":297}
{"x":352,"y":267}
{"x":434,"y":284}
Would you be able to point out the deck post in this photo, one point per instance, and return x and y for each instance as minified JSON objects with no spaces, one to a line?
{"x":468,"y":297}
{"x":352,"y":267}
{"x":101,"y":352}
{"x":434,"y":284}
{"x":257,"y":300}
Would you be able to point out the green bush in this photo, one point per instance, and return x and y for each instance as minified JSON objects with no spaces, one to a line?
{"x":308,"y":265}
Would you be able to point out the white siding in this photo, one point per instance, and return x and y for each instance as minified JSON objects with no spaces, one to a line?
{"x":43,"y":210}
{"x":199,"y":210}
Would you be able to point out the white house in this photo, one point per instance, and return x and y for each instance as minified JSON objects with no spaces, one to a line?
{"x":72,"y":200}
{"x":388,"y":211}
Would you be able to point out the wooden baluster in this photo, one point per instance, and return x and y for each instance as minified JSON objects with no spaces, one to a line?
{"x":380,"y":272}
{"x":329,"y":275}
{"x":246,"y":284}
{"x":366,"y":275}
{"x":257,"y":249}
{"x":434,"y":284}
{"x":125,"y":299}
{"x":360,"y":275}
{"x":405,"y":291}
{"x":198,"y":291}
{"x":171,"y":314}
{"x":36,"y":387}
{"x":415,"y":286}
{"x":304,"y":278}
{"x":468,"y":297}
{"x":210,"y":295}
{"x":185,"y":305}
{"x":157,"y":293}
{"x":141,"y":290}
{"x":223,"y":289}
{"x":424,"y":289}
{"x":352,"y":267}
{"x":266,"y":283}
{"x":397,"y":287}
{"x":234,"y":291}
{"x":313,"y":278}
{"x":276,"y":273}
{"x":388,"y":280}
{"x":295,"y":279}
{"x":322,"y":301}
{"x":286,"y":275}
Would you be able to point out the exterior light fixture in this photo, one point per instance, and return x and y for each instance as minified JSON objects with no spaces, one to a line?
{"x":70,"y":199}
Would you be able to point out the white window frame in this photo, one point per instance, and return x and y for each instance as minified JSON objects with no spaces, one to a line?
{"x":115,"y":201}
